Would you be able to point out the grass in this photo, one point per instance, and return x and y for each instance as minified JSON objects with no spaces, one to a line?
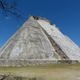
{"x":45,"y":72}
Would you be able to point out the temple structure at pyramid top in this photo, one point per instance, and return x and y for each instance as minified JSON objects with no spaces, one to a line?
{"x":38,"y":41}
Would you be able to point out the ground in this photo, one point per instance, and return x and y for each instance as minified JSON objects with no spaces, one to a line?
{"x":45,"y":72}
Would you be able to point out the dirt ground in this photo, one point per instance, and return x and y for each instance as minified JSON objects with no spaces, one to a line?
{"x":45,"y":72}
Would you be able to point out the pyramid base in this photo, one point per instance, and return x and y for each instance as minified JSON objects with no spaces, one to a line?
{"x":18,"y":63}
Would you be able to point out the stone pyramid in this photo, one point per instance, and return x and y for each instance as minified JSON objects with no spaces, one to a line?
{"x":38,"y":41}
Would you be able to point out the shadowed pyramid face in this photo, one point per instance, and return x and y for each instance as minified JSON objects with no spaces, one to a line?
{"x":40,"y":40}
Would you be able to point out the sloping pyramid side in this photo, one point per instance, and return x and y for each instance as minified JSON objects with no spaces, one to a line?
{"x":30,"y":42}
{"x":66,"y":45}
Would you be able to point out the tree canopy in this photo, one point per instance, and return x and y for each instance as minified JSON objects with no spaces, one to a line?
{"x":9,"y":8}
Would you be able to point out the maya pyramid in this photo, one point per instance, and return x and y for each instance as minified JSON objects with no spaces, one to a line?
{"x":38,"y":40}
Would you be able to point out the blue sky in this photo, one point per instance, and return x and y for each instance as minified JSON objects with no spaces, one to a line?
{"x":64,"y":13}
